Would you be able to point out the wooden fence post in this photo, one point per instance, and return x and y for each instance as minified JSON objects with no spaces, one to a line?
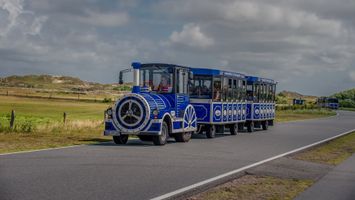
{"x":12,"y":119}
{"x":64,"y":117}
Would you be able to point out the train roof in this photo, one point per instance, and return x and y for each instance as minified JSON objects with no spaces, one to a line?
{"x":259,"y":79}
{"x":207,"y":71}
{"x":215,"y":72}
{"x":140,"y":65}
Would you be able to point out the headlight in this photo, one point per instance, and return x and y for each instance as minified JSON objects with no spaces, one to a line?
{"x":108,"y":113}
{"x":155,"y":112}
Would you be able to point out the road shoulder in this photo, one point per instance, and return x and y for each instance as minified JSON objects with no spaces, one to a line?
{"x":337,"y":184}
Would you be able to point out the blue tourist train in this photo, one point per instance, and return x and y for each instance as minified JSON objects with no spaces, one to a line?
{"x":328,"y":102}
{"x":177,"y":101}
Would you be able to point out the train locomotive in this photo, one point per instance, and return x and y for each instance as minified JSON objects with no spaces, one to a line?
{"x":177,"y":101}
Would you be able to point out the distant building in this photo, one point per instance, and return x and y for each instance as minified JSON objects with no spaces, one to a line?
{"x":298,"y":101}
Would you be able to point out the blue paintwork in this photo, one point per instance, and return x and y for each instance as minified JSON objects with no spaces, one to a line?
{"x":136,"y":65}
{"x":258,"y":79}
{"x":260,"y":111}
{"x":205,"y":71}
{"x":185,"y":115}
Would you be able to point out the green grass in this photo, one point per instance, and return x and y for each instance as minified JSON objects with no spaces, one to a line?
{"x":43,"y":110}
{"x":255,"y":187}
{"x":38,"y":123}
{"x":348,"y":109}
{"x":333,"y":152}
{"x":292,"y":115}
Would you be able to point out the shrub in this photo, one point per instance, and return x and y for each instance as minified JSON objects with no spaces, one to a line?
{"x":348,"y":103}
{"x":107,"y":100}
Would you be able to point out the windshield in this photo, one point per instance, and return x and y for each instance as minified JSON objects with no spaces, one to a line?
{"x":158,"y":79}
{"x":332,"y":100}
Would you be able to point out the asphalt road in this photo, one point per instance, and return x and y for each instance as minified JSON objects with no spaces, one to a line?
{"x":143,"y":171}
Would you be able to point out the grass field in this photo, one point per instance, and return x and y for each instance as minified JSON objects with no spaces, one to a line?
{"x":39,"y":122}
{"x":292,"y":115}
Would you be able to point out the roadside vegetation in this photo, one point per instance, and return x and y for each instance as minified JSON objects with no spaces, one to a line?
{"x":250,"y":187}
{"x":285,"y":111}
{"x":39,"y":123}
{"x":302,"y":114}
{"x":346,"y":99}
{"x":333,"y":152}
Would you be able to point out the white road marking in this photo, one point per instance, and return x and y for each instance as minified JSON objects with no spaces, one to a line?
{"x":193,"y":186}
{"x":30,"y":151}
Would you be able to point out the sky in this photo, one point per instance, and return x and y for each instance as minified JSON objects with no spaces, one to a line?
{"x":306,"y":46}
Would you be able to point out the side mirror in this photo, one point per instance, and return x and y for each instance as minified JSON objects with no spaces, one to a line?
{"x":120,"y":79}
{"x":191,"y":75}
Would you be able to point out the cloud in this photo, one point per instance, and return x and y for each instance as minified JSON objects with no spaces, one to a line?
{"x":192,"y":36}
{"x":15,"y":17}
{"x":352,"y":75}
{"x":104,"y":19}
{"x":307,"y":46}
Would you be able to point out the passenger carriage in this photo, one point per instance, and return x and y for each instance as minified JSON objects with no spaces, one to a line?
{"x":219,"y":100}
{"x":177,"y":101}
{"x":260,"y":103}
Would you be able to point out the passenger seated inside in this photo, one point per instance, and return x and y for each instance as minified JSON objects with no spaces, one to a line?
{"x":217,"y":91}
{"x":164,"y":85}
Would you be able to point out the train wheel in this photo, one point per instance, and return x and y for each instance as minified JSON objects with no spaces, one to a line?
{"x":233,"y":129}
{"x":122,"y":139}
{"x":211,"y":131}
{"x":145,"y":137}
{"x":265,"y":125}
{"x":250,"y":127}
{"x":182,"y":137}
{"x":271,"y":122}
{"x":161,"y":139}
{"x":240,"y":127}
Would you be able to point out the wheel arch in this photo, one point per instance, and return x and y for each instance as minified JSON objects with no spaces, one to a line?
{"x":168,"y":120}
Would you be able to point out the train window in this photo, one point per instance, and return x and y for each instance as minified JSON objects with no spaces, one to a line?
{"x":250,"y":93}
{"x":263,"y":92}
{"x":230,"y":90}
{"x":157,"y":79}
{"x":256,"y":90}
{"x":225,"y":89}
{"x":244,"y":92}
{"x":182,"y":81}
{"x":201,"y":87}
{"x":271,"y":93}
{"x":217,"y":88}
{"x":235,"y":89}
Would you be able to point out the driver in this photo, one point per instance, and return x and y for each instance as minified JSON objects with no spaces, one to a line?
{"x":164,"y":84}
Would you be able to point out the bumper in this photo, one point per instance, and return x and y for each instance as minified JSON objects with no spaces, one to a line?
{"x":111,"y":130}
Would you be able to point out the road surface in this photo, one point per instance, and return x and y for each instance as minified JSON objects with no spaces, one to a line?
{"x":143,"y":171}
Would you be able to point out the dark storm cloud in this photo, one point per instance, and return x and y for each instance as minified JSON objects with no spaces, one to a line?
{"x":302,"y":44}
